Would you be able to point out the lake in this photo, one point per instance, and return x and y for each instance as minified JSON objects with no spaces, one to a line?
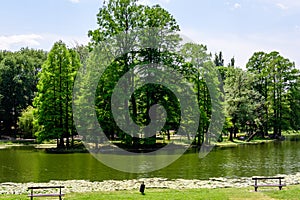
{"x":26,"y":164}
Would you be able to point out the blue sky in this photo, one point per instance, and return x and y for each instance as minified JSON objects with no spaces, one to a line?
{"x":237,"y":27}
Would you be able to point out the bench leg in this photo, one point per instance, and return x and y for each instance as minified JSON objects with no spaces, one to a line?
{"x":280,"y":187}
{"x":60,"y":193}
{"x":255,"y":185}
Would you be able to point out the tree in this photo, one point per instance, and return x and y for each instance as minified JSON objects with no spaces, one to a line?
{"x":18,"y":79}
{"x":219,"y":60}
{"x":294,"y":105}
{"x":115,"y":17}
{"x":242,"y":101}
{"x":197,"y":57}
{"x":134,"y":25}
{"x":27,"y":123}
{"x":274,"y":76}
{"x":54,"y":96}
{"x":257,"y":66}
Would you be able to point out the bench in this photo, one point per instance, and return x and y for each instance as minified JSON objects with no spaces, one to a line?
{"x":32,"y":194}
{"x":280,"y":184}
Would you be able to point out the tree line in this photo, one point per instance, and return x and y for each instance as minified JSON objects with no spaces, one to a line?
{"x":36,"y":87}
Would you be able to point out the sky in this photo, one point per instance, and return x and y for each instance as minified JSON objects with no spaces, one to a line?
{"x":238,"y":28}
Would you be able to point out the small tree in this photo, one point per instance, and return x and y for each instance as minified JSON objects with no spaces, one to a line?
{"x":27,"y":123}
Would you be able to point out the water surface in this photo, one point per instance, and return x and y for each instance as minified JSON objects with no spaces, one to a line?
{"x":25,"y":164}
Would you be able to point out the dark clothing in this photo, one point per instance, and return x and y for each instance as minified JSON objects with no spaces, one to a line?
{"x":142,"y":188}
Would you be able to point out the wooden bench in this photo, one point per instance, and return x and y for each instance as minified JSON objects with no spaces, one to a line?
{"x":31,"y":195}
{"x":280,"y":184}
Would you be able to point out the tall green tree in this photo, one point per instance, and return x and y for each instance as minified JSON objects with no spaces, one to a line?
{"x":124,"y":18}
{"x":54,"y":96}
{"x":274,"y":76}
{"x":294,"y":105}
{"x":242,"y":101}
{"x":257,"y":65}
{"x":197,"y":58}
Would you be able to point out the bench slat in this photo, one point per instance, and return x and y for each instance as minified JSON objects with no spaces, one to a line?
{"x":264,"y":178}
{"x":280,"y":185}
{"x":46,"y":187}
{"x":270,"y":185}
{"x":31,"y":195}
{"x":45,"y":195}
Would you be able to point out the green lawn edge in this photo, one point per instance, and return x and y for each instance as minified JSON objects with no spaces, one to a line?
{"x":291,"y":192}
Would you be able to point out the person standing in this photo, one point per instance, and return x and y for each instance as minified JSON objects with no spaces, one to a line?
{"x":142,"y":188}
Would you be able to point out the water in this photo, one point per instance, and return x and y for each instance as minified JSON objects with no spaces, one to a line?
{"x":25,"y":164}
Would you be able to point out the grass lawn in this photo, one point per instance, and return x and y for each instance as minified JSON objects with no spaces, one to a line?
{"x":288,"y":193}
{"x":236,"y":142}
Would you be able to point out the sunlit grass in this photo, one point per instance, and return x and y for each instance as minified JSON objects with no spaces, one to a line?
{"x":288,"y":193}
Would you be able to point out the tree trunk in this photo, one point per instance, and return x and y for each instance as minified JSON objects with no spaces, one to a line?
{"x":61,"y":144}
{"x":67,"y":116}
{"x":231,"y":134}
{"x":168,"y":133}
{"x":266,"y":128}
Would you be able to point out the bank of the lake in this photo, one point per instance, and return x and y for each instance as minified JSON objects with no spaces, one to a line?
{"x":6,"y":144}
{"x":84,"y":186}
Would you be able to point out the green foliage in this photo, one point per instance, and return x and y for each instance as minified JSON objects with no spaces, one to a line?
{"x":18,"y":78}
{"x":263,"y":98}
{"x":293,"y":102}
{"x":197,"y":58}
{"x":137,"y":26}
{"x":242,"y":102}
{"x":275,"y":78}
{"x":54,"y":96}
{"x":27,"y":123}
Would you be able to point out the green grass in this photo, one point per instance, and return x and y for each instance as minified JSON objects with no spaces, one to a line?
{"x":290,"y":133}
{"x":288,"y":193}
{"x":227,"y":143}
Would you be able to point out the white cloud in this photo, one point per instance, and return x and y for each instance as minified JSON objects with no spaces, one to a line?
{"x":165,"y":1}
{"x":282,"y":6}
{"x":74,"y":1}
{"x":12,"y":41}
{"x":144,"y":2}
{"x":237,"y":6}
{"x":233,"y":6}
{"x":43,"y":41}
{"x":152,"y":2}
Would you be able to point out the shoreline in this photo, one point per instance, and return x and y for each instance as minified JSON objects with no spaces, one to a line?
{"x":225,"y":144}
{"x":83,"y":186}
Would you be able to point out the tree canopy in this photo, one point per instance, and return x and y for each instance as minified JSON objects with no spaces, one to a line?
{"x":36,"y":87}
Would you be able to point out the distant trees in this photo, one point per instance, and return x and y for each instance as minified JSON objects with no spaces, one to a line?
{"x":18,"y":79}
{"x":242,"y":102}
{"x":276,"y":81}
